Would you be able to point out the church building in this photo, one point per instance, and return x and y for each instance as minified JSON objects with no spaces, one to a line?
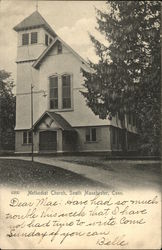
{"x":49,"y":104}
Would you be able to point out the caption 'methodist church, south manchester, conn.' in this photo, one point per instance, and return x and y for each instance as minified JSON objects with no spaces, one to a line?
{"x":62,"y":122}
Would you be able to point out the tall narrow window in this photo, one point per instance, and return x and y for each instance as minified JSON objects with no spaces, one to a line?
{"x":30,"y":137}
{"x":27,"y":137}
{"x":66,"y":92}
{"x":54,"y":92}
{"x":59,"y":48}
{"x":25,"y":39}
{"x":46,"y":39}
{"x":34,"y":36}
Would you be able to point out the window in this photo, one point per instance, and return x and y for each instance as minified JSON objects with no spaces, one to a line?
{"x":66,"y":92}
{"x":27,"y":137}
{"x":90,"y":134}
{"x":34,"y":37}
{"x":25,"y":39}
{"x":60,"y":89}
{"x":59,"y":48}
{"x":30,"y":137}
{"x":54,"y":92}
{"x":50,"y":40}
{"x":46,"y":39}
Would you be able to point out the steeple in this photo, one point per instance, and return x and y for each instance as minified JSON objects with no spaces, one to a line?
{"x":34,"y":36}
{"x":36,"y":5}
{"x":35,"y":20}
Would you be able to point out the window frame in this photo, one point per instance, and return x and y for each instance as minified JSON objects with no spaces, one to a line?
{"x":36,"y":40}
{"x":23,"y":39}
{"x":59,"y":48}
{"x":28,"y":136}
{"x":53,"y":98}
{"x":63,"y":98}
{"x":90,"y":134}
{"x":60,"y":92}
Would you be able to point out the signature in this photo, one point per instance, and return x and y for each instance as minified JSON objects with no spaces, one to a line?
{"x":117,"y":241}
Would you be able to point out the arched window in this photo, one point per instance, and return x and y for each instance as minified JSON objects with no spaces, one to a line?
{"x":60,"y":92}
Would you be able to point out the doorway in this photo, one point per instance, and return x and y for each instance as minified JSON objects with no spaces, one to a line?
{"x":48,"y":140}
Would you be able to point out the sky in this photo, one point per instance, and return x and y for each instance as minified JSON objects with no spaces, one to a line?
{"x":71,"y":20}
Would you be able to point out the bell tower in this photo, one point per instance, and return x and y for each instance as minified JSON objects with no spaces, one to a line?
{"x":34,"y":35}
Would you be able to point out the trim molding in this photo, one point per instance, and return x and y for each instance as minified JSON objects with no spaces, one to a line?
{"x":26,"y":61}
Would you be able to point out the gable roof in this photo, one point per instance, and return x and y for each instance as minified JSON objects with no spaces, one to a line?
{"x":35,"y":20}
{"x":57,"y":118}
{"x":40,"y":59}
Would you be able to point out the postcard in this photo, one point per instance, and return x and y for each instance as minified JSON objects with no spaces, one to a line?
{"x":80,"y":125}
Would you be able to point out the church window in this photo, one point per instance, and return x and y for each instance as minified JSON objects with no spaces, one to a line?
{"x":27,"y":137}
{"x":66,"y":92}
{"x":34,"y":37}
{"x":54,"y":92}
{"x":25,"y":39}
{"x":60,"y":92}
{"x":59,"y":48}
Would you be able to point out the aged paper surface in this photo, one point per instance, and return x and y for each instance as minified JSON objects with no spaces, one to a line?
{"x":80,"y":219}
{"x":74,"y":218}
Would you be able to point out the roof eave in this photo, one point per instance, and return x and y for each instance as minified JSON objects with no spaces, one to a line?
{"x":52,"y":33}
{"x":37,"y":64}
{"x":54,"y":119}
{"x":27,"y":28}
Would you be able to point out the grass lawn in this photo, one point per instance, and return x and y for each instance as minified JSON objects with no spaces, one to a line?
{"x":134,"y":173}
{"x":21,"y":173}
{"x":103,"y":163}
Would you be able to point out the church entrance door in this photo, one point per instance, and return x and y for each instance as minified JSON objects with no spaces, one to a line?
{"x":48,"y":140}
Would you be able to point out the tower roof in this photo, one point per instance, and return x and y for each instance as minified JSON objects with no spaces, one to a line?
{"x":35,"y":20}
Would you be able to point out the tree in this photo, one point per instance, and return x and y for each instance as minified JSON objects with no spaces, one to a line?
{"x":7,"y":111}
{"x":127,"y":76}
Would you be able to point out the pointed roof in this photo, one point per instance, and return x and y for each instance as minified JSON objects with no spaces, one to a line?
{"x":57,"y":118}
{"x":40,"y":59}
{"x":35,"y":20}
